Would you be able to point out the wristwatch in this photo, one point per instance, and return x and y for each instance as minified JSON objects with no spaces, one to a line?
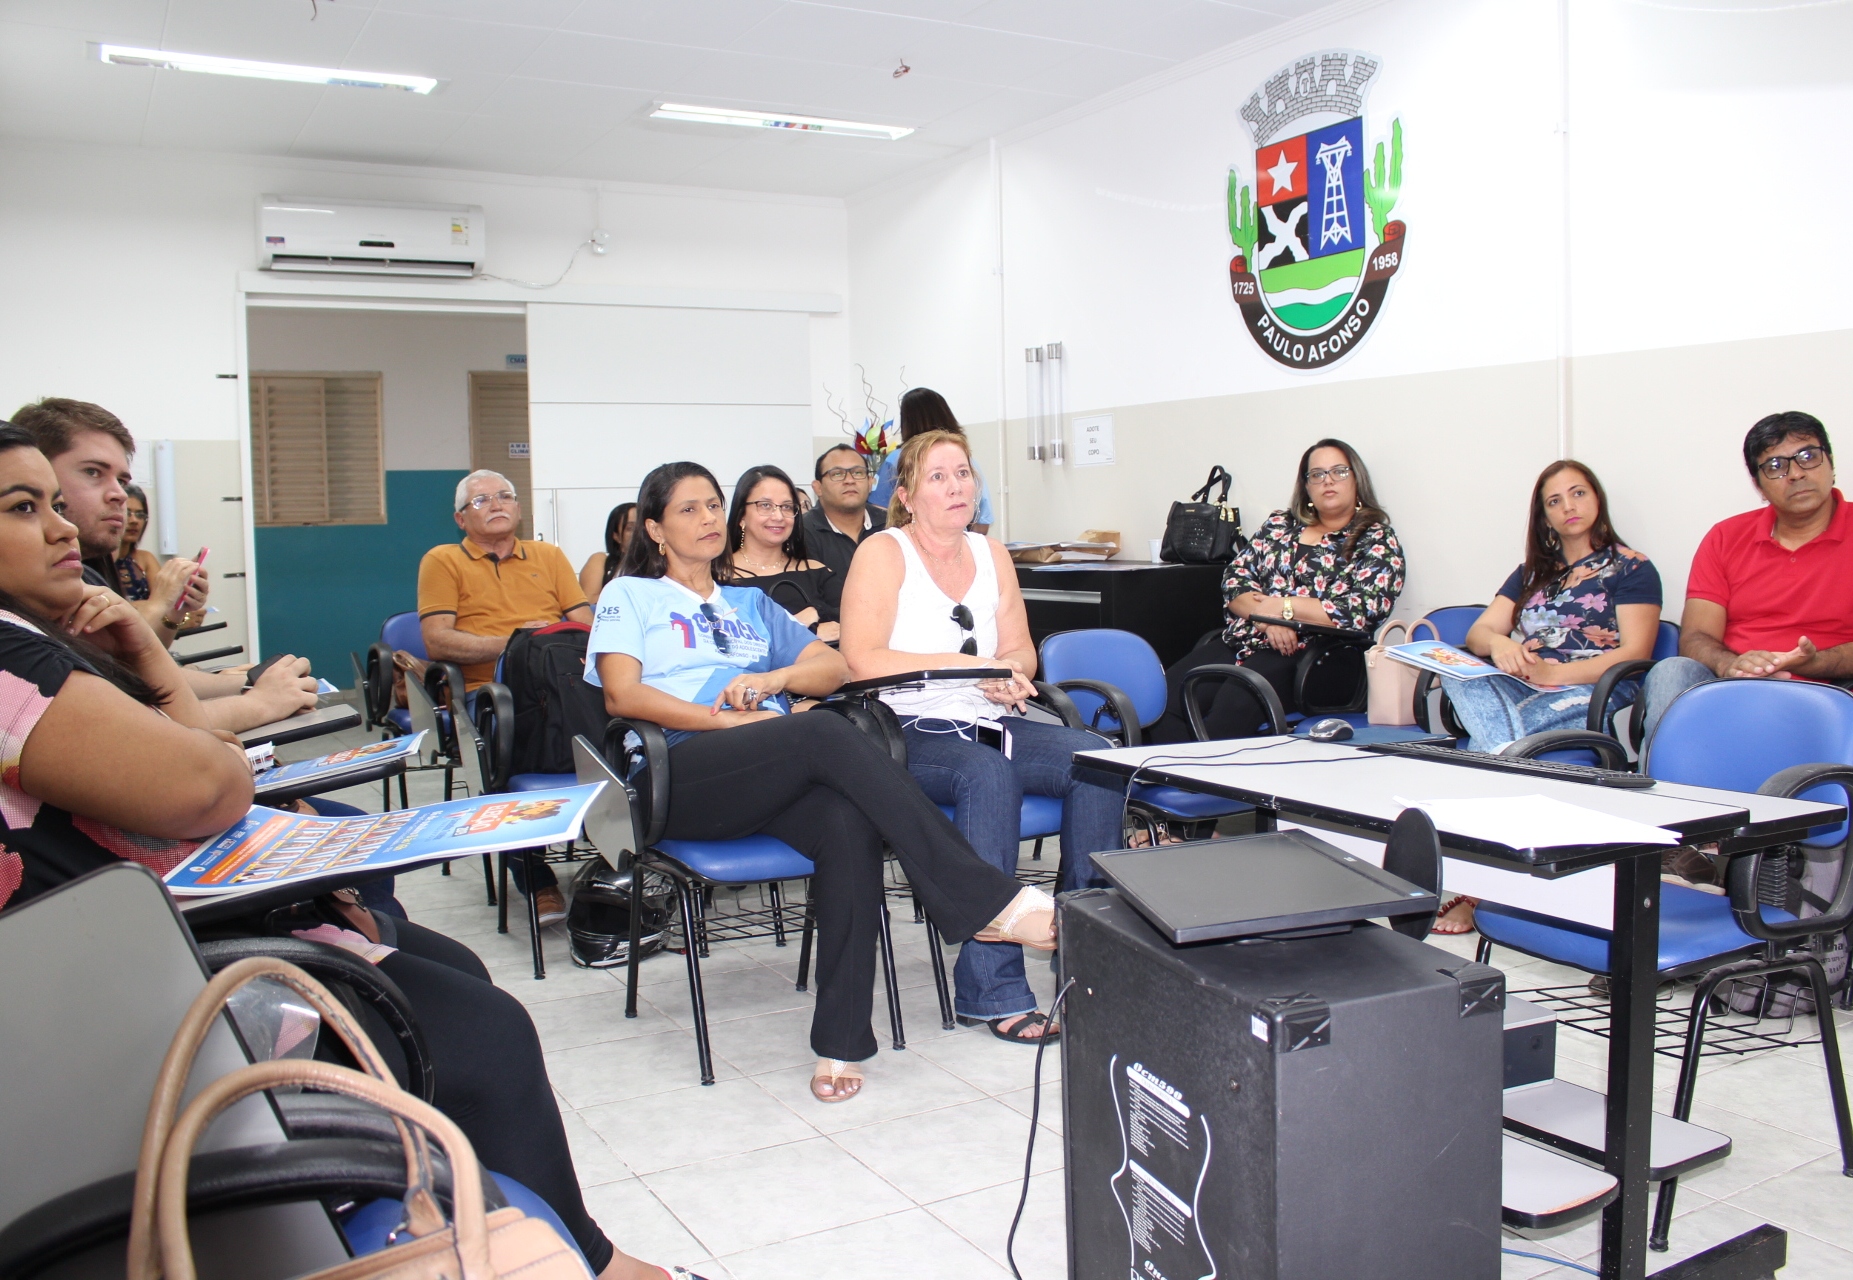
{"x":1286,"y":609}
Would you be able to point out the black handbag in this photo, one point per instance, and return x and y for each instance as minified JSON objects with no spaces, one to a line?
{"x":1201,"y":531}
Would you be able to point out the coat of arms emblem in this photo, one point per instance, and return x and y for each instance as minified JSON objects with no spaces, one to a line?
{"x":1315,"y":244}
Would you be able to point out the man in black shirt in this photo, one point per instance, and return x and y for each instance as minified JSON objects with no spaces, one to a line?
{"x":842,"y":518}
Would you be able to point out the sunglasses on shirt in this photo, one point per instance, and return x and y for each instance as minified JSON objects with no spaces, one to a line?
{"x":963,"y":617}
{"x":715,"y":633}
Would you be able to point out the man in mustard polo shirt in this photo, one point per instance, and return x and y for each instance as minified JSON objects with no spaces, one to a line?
{"x":474,"y":594}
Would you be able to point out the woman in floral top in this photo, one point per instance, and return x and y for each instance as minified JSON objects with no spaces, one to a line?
{"x":1582,"y":602}
{"x":1330,"y":559}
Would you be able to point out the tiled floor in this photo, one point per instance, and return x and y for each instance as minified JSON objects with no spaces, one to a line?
{"x":751,"y":1179}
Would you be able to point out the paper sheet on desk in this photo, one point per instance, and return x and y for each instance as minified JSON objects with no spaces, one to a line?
{"x":1536,"y":822}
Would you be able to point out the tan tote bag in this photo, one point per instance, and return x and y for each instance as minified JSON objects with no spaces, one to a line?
{"x":1392,"y":683}
{"x":474,"y":1246}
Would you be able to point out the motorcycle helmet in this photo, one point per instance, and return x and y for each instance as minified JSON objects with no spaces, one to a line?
{"x":599,"y":921}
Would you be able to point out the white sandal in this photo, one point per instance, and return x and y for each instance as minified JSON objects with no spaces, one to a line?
{"x":1030,"y":904}
{"x":838,"y":1074}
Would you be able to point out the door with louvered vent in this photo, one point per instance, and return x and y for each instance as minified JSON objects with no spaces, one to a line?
{"x":499,"y":433}
{"x":316,"y":451}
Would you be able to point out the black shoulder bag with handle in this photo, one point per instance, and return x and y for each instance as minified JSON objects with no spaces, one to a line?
{"x":1201,"y":531}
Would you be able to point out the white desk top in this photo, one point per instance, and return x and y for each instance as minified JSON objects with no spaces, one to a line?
{"x":1360,"y":789}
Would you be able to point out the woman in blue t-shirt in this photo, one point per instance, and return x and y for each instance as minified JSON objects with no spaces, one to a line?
{"x":716,"y":667}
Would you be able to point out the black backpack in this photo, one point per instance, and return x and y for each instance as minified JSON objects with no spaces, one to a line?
{"x":544,"y":670}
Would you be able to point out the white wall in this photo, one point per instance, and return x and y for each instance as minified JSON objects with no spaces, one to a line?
{"x":119,"y":266}
{"x":1647,"y":296}
{"x":425,"y":361}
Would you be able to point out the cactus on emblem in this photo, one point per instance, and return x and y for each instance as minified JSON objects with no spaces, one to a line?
{"x":1379,"y":194}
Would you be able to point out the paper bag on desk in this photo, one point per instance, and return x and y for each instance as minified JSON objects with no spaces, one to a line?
{"x":1092,"y":545}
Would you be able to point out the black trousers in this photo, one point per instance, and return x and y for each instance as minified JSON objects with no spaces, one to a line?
{"x":829,"y":791}
{"x":491,"y":1079}
{"x":1229,"y":709}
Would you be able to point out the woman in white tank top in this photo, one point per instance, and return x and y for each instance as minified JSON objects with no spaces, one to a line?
{"x":928,"y":594}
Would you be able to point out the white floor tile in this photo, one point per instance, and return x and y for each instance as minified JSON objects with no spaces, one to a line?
{"x":950,"y":1152}
{"x":599,"y":1073}
{"x":895,"y":1085}
{"x":983,"y":1217}
{"x":701,"y":1122}
{"x":912,"y":1242}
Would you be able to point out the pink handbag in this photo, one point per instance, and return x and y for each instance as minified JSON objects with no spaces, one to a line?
{"x":1392,"y":683}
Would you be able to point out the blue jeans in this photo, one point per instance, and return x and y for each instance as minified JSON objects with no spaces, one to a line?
{"x":986,"y":793}
{"x":1499,"y":710}
{"x":1669,"y":678}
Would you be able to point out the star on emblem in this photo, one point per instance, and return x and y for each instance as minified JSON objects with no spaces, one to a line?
{"x":1281,"y":175}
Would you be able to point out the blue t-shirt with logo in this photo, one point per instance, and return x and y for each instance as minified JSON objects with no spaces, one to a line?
{"x":672,"y":632}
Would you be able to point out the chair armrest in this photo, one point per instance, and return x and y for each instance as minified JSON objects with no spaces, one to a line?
{"x":331,"y":964}
{"x":907,"y":679}
{"x":652,"y":791}
{"x":1598,"y":721}
{"x":1533,"y":745}
{"x":1310,"y":631}
{"x":376,"y":694}
{"x":1323,"y":649}
{"x":1051,"y":699}
{"x":495,"y":729}
{"x":1117,"y":703}
{"x":1256,"y":685}
{"x":874,"y":717}
{"x":1741,"y":875}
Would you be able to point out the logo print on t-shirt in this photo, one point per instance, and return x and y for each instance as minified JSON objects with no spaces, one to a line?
{"x":685,"y":627}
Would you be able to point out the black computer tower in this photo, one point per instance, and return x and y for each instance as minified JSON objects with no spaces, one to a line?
{"x":1326,"y":1108}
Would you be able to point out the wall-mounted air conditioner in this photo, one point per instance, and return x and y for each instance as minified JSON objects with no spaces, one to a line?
{"x":370,"y":237}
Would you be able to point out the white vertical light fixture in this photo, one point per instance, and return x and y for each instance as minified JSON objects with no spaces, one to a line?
{"x":1032,"y":379}
{"x":1053,"y":364}
{"x":166,"y":504}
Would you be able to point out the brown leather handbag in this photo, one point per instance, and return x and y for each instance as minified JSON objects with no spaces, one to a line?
{"x":474,"y":1246}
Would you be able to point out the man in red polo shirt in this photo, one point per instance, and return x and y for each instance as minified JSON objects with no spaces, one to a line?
{"x":1771,"y":591}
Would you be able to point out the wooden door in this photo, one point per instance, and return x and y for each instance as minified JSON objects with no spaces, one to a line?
{"x":499,"y":433}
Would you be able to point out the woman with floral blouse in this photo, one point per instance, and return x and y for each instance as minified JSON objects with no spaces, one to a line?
{"x":1330,"y":559}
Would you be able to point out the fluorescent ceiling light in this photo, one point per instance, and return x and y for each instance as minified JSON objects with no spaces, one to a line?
{"x":769,"y":120}
{"x":124,"y":56}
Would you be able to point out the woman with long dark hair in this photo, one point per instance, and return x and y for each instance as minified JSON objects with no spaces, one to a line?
{"x":767,"y":540}
{"x":714,"y":665}
{"x":1330,"y":558}
{"x":1581,"y":602}
{"x":109,"y":758}
{"x":602,"y":566}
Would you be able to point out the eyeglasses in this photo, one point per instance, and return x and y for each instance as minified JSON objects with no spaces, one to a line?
{"x":1807,"y":459}
{"x":506,"y":498}
{"x":765,"y":507}
{"x":715,"y":633}
{"x":1318,"y":474}
{"x":963,"y":616}
{"x":841,"y":475}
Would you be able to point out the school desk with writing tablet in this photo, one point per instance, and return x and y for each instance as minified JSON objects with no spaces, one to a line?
{"x":310,"y":724}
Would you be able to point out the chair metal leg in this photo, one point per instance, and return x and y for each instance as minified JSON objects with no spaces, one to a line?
{"x":540,"y":960}
{"x":936,"y":956}
{"x":701,"y":919}
{"x":1483,"y":953}
{"x":501,"y":906}
{"x":1035,"y":854}
{"x":698,"y":1007}
{"x":778,"y":914}
{"x":634,"y":958}
{"x":890,"y":980}
{"x":386,"y":805}
{"x":448,"y":775}
{"x":488,"y":876}
{"x":804,"y":941}
{"x":404,"y":799}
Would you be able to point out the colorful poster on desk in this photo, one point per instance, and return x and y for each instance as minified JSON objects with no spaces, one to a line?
{"x":337,"y":764}
{"x":268,"y":847}
{"x":1442,"y":659}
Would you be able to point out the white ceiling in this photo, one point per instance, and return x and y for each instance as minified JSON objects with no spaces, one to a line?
{"x":565,"y":87}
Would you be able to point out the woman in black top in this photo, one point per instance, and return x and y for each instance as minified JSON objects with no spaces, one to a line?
{"x":104,"y":755}
{"x":767,"y":540}
{"x":602,"y":566}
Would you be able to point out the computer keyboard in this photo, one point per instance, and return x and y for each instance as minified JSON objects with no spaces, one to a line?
{"x":1513,"y":764}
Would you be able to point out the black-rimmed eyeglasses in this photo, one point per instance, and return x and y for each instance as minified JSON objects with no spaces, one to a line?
{"x":838,"y":475}
{"x":1806,"y":459}
{"x":715,"y":633}
{"x":765,"y":507}
{"x":963,"y":617}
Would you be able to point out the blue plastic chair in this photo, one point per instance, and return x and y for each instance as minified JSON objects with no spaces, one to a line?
{"x":1773,"y":737}
{"x":400,"y":631}
{"x":1450,"y":625}
{"x":696,"y":866}
{"x":1117,"y":685}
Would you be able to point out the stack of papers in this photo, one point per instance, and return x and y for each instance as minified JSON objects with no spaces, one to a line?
{"x":1059,"y":552}
{"x":1535,"y":822}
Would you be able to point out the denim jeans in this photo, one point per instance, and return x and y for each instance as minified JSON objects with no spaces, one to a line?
{"x":986,"y":792}
{"x":1669,"y":678}
{"x":1499,"y":710}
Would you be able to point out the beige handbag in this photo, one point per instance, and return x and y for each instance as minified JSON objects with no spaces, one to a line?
{"x":475,"y":1246}
{"x":1392,"y":683}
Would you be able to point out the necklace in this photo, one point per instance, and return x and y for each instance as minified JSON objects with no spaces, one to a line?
{"x":924,"y":550}
{"x":760,"y":568}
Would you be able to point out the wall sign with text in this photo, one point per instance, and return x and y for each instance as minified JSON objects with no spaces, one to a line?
{"x":1315,"y":244}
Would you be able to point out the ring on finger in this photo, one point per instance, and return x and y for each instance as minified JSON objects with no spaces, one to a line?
{"x":752,"y":694}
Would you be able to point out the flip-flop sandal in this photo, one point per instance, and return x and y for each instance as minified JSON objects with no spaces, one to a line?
{"x":844,"y":1079}
{"x":1028,"y":906}
{"x":1446,"y":907}
{"x":1024,"y":1021}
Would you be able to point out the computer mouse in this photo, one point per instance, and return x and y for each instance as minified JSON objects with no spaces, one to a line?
{"x":1330,"y":730}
